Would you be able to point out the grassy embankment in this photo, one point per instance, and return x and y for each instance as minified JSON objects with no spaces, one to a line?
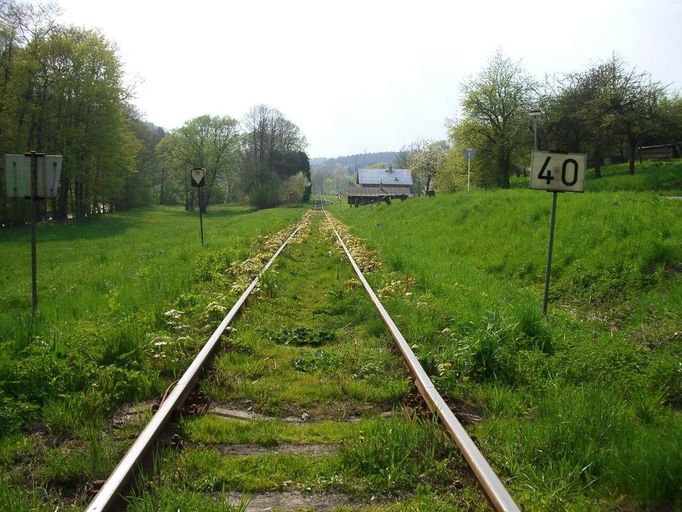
{"x":101,"y":335}
{"x":662,"y":176}
{"x":580,"y":410}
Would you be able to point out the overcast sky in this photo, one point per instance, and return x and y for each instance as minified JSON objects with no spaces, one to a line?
{"x":364,"y":75}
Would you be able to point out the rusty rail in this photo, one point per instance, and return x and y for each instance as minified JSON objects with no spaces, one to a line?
{"x":492,"y":486}
{"x":111,"y":492}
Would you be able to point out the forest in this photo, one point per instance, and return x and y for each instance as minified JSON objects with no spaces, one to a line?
{"x":62,"y":91}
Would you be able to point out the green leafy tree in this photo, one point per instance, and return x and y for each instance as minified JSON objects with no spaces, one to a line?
{"x":140,"y":186}
{"x":452,"y":176}
{"x":332,"y":178}
{"x":574,"y":117}
{"x":208,"y":142}
{"x":632,"y":104}
{"x":496,"y":102}
{"x":272,"y":150}
{"x":669,"y":130}
{"x":605,"y":109}
{"x":261,"y":184}
{"x":294,"y":189}
{"x":338,"y":181}
{"x":64,"y":94}
{"x":425,"y":161}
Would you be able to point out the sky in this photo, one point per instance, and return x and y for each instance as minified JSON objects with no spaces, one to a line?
{"x":362,"y":75}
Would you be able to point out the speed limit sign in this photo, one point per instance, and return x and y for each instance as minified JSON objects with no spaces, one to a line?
{"x":558,"y":172}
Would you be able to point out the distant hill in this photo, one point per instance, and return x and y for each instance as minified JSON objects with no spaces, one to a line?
{"x":359,"y":160}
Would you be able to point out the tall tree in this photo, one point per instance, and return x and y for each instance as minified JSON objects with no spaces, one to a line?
{"x":273,"y":151}
{"x":62,"y":92}
{"x":20,"y":24}
{"x":632,"y":101}
{"x":606,"y":105}
{"x":139,"y":187}
{"x":425,"y":161}
{"x":497,"y":100}
{"x":463,"y":134}
{"x":205,"y":141}
{"x":574,"y":117}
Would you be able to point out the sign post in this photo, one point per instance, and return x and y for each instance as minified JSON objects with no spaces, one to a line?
{"x":469,"y":153}
{"x":557,"y":173}
{"x":199,"y":181}
{"x":33,"y":176}
{"x":34,"y":215}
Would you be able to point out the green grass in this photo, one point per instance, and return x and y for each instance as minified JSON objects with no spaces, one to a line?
{"x":579,"y":407}
{"x":656,"y":175}
{"x":211,"y":429}
{"x":125,"y":302}
{"x":104,"y":287}
{"x":313,"y":329}
{"x":164,"y":498}
{"x":387,"y":457}
{"x":310,"y":332}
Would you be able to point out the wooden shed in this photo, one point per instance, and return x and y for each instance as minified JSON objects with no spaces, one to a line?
{"x":376,"y":185}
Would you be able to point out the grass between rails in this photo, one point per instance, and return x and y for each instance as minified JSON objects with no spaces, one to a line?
{"x":580,"y":409}
{"x":391,"y":456}
{"x":313,"y":336}
{"x":312,"y":346}
{"x":103,"y":333}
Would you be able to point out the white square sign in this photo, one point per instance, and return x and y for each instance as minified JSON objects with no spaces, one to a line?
{"x":558,"y":172}
{"x":18,"y":175}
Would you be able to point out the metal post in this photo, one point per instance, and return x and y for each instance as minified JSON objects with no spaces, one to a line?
{"x":201,"y":217}
{"x":535,"y":113}
{"x":34,"y":220}
{"x":549,"y":253}
{"x":468,"y":170}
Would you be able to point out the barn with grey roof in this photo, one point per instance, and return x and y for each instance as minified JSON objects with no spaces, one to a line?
{"x":375,"y":185}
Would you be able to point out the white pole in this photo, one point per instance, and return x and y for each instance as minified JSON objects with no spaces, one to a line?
{"x":468,"y":170}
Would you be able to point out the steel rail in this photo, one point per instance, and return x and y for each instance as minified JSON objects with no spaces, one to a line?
{"x":110,"y":493}
{"x":493,"y":487}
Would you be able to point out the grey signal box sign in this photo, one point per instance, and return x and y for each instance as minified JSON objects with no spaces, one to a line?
{"x":198,"y":175}
{"x":18,"y":176}
{"x":558,"y":172}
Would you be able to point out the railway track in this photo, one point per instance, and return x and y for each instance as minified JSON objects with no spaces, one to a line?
{"x":305,"y":408}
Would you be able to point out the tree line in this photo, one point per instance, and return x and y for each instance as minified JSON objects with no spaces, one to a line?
{"x":62,"y":92}
{"x":606,"y":111}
